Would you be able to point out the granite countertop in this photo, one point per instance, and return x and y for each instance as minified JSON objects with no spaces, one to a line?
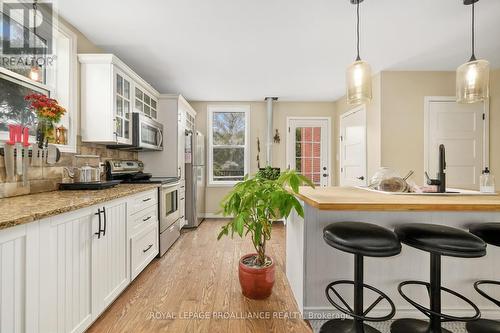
{"x":32,"y":207}
{"x":355,"y":199}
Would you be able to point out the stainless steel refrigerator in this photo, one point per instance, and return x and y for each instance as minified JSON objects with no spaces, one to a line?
{"x":195,"y":179}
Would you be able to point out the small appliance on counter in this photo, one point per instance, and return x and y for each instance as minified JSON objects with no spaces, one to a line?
{"x":131,"y":172}
{"x":86,"y":177}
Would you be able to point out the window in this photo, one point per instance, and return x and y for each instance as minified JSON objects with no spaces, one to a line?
{"x":228,"y":147}
{"x":57,"y":81}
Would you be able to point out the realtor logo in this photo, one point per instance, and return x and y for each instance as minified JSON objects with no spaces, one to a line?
{"x":26,"y":28}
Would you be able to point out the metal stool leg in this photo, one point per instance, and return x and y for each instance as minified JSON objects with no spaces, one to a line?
{"x":355,"y":325}
{"x":434,"y":323}
{"x":435,"y":293}
{"x":485,"y":325}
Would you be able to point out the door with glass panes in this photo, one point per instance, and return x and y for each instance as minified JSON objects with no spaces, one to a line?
{"x":123,"y":123}
{"x":309,"y":148}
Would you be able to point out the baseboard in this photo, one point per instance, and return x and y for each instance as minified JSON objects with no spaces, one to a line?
{"x":214,"y":216}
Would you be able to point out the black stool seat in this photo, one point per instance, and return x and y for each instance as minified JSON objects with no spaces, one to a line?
{"x":438,"y":240}
{"x":489,"y":232}
{"x":362,"y":238}
{"x":442,"y":240}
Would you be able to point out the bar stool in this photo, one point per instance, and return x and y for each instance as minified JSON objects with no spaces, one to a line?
{"x":438,"y":240}
{"x":490,"y":233}
{"x":360,"y":239}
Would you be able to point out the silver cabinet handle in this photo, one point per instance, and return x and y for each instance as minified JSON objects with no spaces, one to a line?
{"x":147,"y":249}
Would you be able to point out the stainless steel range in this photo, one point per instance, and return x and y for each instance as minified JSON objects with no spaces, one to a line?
{"x":131,"y":171}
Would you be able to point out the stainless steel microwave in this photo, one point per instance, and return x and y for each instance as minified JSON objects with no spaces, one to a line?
{"x":147,"y":133}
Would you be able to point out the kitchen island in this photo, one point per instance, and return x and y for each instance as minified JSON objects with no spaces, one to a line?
{"x":311,"y":264}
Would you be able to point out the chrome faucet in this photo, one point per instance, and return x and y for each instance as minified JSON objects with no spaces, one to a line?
{"x":440,"y":182}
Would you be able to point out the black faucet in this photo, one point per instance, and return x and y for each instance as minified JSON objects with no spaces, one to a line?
{"x":440,"y":182}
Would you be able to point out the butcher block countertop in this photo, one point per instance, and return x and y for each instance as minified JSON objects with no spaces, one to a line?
{"x":354,"y":199}
{"x":32,"y":207}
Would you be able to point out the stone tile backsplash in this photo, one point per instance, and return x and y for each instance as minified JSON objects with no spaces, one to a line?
{"x":46,"y":178}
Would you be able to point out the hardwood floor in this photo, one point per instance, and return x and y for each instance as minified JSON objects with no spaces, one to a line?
{"x":198,"y":277}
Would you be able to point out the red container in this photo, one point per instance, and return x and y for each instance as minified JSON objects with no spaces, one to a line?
{"x":12,"y":134}
{"x":26,"y":136}
{"x":256,"y":283}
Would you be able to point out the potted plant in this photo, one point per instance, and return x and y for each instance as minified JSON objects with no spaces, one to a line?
{"x":253,"y":204}
{"x":48,"y":112}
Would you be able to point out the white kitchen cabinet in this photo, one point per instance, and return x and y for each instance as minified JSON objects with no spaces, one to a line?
{"x":59,"y":274}
{"x":146,"y":102}
{"x":143,"y":231}
{"x":143,"y":248}
{"x":110,"y":272}
{"x":12,"y":275}
{"x":81,"y":272}
{"x":65,"y":256}
{"x":110,"y":92}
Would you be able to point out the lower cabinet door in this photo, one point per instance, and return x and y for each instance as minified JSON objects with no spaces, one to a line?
{"x":110,"y":272}
{"x":12,"y":278}
{"x":65,"y":249}
{"x":143,"y":249}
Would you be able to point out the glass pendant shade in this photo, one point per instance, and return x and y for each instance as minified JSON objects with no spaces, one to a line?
{"x":473,"y":80}
{"x":35,"y":73}
{"x":359,"y":83}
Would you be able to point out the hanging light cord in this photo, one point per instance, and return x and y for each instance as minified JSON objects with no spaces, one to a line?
{"x":473,"y":57}
{"x":35,"y":7}
{"x":357,"y":30}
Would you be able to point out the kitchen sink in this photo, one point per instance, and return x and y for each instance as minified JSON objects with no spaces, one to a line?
{"x":449,"y":192}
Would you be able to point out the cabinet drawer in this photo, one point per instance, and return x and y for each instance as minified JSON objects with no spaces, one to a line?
{"x":144,"y":200}
{"x":168,"y":237}
{"x":143,"y":248}
{"x":143,"y":219}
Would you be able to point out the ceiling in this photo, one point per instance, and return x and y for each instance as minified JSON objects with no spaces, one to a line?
{"x":241,"y":50}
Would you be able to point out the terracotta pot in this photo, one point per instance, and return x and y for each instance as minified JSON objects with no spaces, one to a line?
{"x":256,"y":283}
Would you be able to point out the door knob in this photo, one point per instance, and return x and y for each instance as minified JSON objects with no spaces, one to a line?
{"x":325,"y":175}
{"x":361,"y":178}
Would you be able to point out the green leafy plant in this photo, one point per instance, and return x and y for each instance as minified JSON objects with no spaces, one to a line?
{"x":255,"y":202}
{"x":269,"y":173}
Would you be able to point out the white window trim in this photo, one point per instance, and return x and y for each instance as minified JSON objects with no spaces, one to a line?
{"x":72,"y":108}
{"x":227,"y":108}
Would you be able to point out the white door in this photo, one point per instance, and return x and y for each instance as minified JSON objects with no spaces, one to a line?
{"x":65,"y":272}
{"x":123,"y":107}
{"x":308,"y":144}
{"x":353,"y":148}
{"x":13,"y":275}
{"x":109,"y":256}
{"x":461,"y":128}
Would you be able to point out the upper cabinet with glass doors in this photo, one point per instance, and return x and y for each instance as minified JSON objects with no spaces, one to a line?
{"x":110,"y":92}
{"x":145,"y":102}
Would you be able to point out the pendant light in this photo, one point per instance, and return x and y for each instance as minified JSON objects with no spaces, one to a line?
{"x":35,"y":72}
{"x":359,"y":73}
{"x":473,"y":77}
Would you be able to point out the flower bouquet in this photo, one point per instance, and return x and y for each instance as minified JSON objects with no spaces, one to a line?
{"x":48,"y":112}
